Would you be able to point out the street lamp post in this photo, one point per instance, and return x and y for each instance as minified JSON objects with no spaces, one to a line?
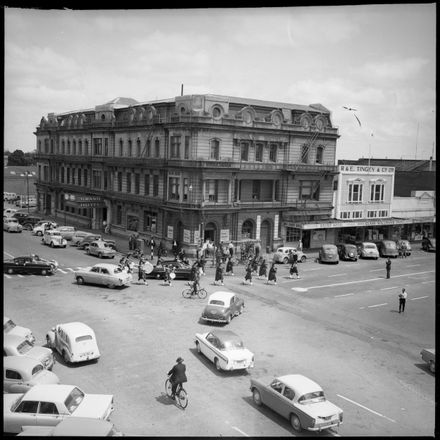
{"x":27,"y":174}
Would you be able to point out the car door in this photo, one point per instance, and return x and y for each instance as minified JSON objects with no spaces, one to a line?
{"x":105,"y":276}
{"x":275,"y":398}
{"x":94,"y":275}
{"x":24,"y":414}
{"x":48,"y":414}
{"x":208,"y":348}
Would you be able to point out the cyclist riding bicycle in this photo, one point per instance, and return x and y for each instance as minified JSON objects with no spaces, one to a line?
{"x":178,"y":376}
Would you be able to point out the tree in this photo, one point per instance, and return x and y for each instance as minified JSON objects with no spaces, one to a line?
{"x":17,"y":158}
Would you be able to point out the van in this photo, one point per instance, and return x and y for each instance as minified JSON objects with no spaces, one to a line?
{"x":328,"y":254}
{"x":387,"y":248}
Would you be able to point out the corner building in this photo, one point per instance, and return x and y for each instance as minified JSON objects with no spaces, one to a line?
{"x":189,"y":168}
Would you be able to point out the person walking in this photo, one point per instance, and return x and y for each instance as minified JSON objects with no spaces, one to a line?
{"x":402,"y":300}
{"x":263,"y":270}
{"x":167,"y":275}
{"x":231,"y":249}
{"x":272,"y":274}
{"x":248,"y":276}
{"x":230,"y":267}
{"x":300,"y":245}
{"x":219,"y":274}
{"x":202,"y":264}
{"x":388,"y":267}
{"x":175,"y":249}
{"x":142,"y":276}
{"x":294,"y":270}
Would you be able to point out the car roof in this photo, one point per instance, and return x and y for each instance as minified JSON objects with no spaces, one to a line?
{"x":301,"y":384}
{"x":328,"y":246}
{"x":23,"y":362}
{"x":12,"y":339}
{"x":75,"y":327}
{"x":6,"y":319}
{"x":106,"y":265}
{"x":55,"y":391}
{"x":287,"y":248}
{"x":368,"y":242}
{"x":221,"y":295}
{"x":225,"y":335}
{"x":82,"y":426}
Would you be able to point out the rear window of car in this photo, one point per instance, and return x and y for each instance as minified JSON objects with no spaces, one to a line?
{"x":390,"y":244}
{"x":83,"y":338}
{"x":217,"y":302}
{"x":8,"y":326}
{"x":233,"y":345}
{"x":37,"y":369}
{"x":73,"y":400}
{"x":24,"y":347}
{"x":370,"y":246}
{"x":317,"y":396}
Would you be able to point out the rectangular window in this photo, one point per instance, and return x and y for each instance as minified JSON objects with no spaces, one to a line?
{"x":244,"y":147}
{"x":74,"y":148}
{"x":309,"y":190}
{"x":319,"y":154}
{"x":130,"y":152}
{"x":119,"y":181}
{"x":215,"y":150}
{"x":137,"y":179}
{"x":129,"y":182}
{"x":68,"y":147}
{"x":73,"y":176}
{"x":157,"y":147}
{"x":174,"y":188}
{"x":105,"y":146}
{"x":377,"y":193}
{"x":155,"y":185}
{"x":273,"y":152}
{"x":259,"y":153}
{"x":121,"y":147}
{"x":68,"y":176}
{"x":148,"y":148}
{"x":344,"y":215}
{"x":355,"y":192}
{"x":187,"y":145}
{"x":293,"y":234}
{"x":256,"y":189}
{"x":150,"y":221}
{"x":97,"y":147}
{"x":305,"y":154}
{"x":383,"y":213}
{"x":212,"y":190}
{"x":277,"y":191}
{"x":147,"y":184}
{"x":357,"y":214}
{"x":371,"y":214}
{"x":185,"y":188}
{"x":175,"y":147}
{"x":79,"y":177}
{"x":96,"y":179}
{"x":138,"y":148}
{"x":86,"y":178}
{"x":106,"y":181}
{"x":119,"y":215}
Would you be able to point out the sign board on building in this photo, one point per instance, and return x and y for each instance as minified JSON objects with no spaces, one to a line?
{"x":186,"y":236}
{"x":170,"y":231}
{"x":224,"y":235}
{"x":365,"y":169}
{"x":197,"y":236}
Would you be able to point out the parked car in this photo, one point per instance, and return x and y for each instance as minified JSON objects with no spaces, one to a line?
{"x":41,"y":226}
{"x":298,"y":399}
{"x":20,"y":373}
{"x":428,"y":244}
{"x":9,"y":196}
{"x":11,"y":224}
{"x":67,"y":232}
{"x":78,"y":236}
{"x":281,"y":255}
{"x":347,"y":252}
{"x":328,"y":254}
{"x":29,"y":222}
{"x":101,"y":249}
{"x":86,"y":240}
{"x":225,"y":349}
{"x":182,"y":270}
{"x":428,"y":355}
{"x":48,"y":405}
{"x":20,"y":216}
{"x":404,"y":247}
{"x":53,"y":238}
{"x":14,"y":345}
{"x":222,"y":307}
{"x":11,"y":328}
{"x":367,"y":250}
{"x":8,"y":212}
{"x":74,"y":427}
{"x":387,"y":248}
{"x":109,"y":275}
{"x":74,"y":341}
{"x":29,"y":265}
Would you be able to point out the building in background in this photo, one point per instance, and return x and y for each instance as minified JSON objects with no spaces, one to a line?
{"x":191,"y":168}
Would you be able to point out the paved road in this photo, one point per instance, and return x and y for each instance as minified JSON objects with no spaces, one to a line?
{"x":363,"y":353}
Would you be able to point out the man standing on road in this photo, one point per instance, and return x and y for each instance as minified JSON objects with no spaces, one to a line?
{"x":388,"y":267}
{"x":402,"y":300}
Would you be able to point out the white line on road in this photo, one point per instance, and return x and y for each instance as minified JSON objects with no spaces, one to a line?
{"x":310,"y":270}
{"x":413,"y":265}
{"x":389,"y":288}
{"x":62,"y":271}
{"x":368,"y":409}
{"x":419,"y":297}
{"x":426,"y":282}
{"x":71,"y":270}
{"x":8,"y":255}
{"x":338,"y":275}
{"x":377,"y":305}
{"x":375,"y":270}
{"x":240,"y":431}
{"x":345,"y":294}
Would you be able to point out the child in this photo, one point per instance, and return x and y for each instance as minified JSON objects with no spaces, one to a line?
{"x":294,"y":270}
{"x":272,"y":274}
{"x":219,"y":273}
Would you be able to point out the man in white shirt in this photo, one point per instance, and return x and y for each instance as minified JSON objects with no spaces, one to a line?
{"x":402,"y":300}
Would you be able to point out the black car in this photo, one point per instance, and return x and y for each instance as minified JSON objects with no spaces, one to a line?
{"x":428,"y":244}
{"x":347,"y":252}
{"x":182,"y":270}
{"x":28,"y":221}
{"x":20,"y":216}
{"x":29,"y":265}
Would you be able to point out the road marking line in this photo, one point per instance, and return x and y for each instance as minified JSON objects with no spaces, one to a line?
{"x":240,"y":431}
{"x":8,"y":276}
{"x":345,"y":294}
{"x":426,"y":282}
{"x":62,"y":271}
{"x":378,"y":305}
{"x":8,"y":255}
{"x":389,"y":288}
{"x":413,"y":265}
{"x":310,"y":270}
{"x":419,"y":297}
{"x":375,"y":270}
{"x":338,"y":275}
{"x":368,"y":409}
{"x":71,"y":270}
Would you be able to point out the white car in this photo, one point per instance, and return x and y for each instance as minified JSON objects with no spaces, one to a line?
{"x":41,"y":226}
{"x":22,"y":372}
{"x":368,"y":250}
{"x":67,"y":231}
{"x":14,"y":345}
{"x":75,"y":341}
{"x":101,"y":249}
{"x":11,"y":328}
{"x":53,"y":238}
{"x":11,"y":224}
{"x":78,"y":236}
{"x":225,"y":349}
{"x":104,"y":274}
{"x":48,"y":405}
{"x":281,"y":255}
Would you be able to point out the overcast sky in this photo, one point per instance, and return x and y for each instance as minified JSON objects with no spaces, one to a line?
{"x":378,"y":59}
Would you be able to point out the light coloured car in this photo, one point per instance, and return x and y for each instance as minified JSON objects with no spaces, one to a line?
{"x":53,"y":238}
{"x":14,"y":345}
{"x":104,"y":274}
{"x":74,"y":427}
{"x":48,"y":405}
{"x":281,"y":255}
{"x":11,"y":224}
{"x":41,"y":226}
{"x":428,"y":355}
{"x":74,"y":341}
{"x":9,"y":212}
{"x":225,"y":349}
{"x":222,"y":307}
{"x":404,"y":247}
{"x":101,"y":249}
{"x":368,"y":250}
{"x":20,"y":373}
{"x":11,"y":328}
{"x":78,"y":236}
{"x":298,"y":399}
{"x":67,"y":232}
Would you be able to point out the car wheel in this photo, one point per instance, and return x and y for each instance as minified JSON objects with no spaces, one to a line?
{"x":257,"y":397}
{"x":217,"y":365}
{"x":199,"y":350}
{"x":28,"y":227}
{"x":432,"y":366}
{"x":80,"y":280}
{"x":285,"y":260}
{"x":65,"y":356}
{"x":43,"y":272}
{"x":39,"y":233}
{"x":10,"y":270}
{"x":303,"y":259}
{"x":51,"y":244}
{"x":295,"y":422}
{"x":100,"y":255}
{"x":111,"y":286}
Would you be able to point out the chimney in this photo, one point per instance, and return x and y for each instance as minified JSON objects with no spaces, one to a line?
{"x":181,"y":90}
{"x":430,"y":163}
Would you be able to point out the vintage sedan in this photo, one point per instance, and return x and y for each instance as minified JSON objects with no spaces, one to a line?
{"x":428,"y":355}
{"x":29,"y":265}
{"x":387,"y":248}
{"x":225,"y":349}
{"x":222,"y":307}
{"x":78,"y":236}
{"x":53,"y":238}
{"x":41,"y":226}
{"x":14,"y":345}
{"x":281,"y":255}
{"x":48,"y":405}
{"x":84,"y":243}
{"x":74,"y":427}
{"x":404,"y":247}
{"x":22,"y":372}
{"x":182,"y":270}
{"x":104,"y":274}
{"x":101,"y":249}
{"x":367,"y":250}
{"x":74,"y":341}
{"x":12,"y":225}
{"x":11,"y":328}
{"x":347,"y":252}
{"x":328,"y":253}
{"x":67,"y":232}
{"x":298,"y":399}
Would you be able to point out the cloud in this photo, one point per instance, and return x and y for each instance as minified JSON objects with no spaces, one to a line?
{"x":403,"y":69}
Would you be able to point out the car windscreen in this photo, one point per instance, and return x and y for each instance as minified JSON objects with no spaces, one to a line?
{"x":370,"y":246}
{"x":390,"y":244}
{"x":24,"y":347}
{"x":315,"y":397}
{"x":73,"y":400}
{"x":8,"y":326}
{"x":216,"y":302}
{"x":83,"y":338}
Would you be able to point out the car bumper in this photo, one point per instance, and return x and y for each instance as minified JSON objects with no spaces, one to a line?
{"x":323,"y":426}
{"x":204,"y":318}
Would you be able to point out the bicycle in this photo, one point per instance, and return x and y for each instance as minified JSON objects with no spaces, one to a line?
{"x":181,"y":394}
{"x":191,"y":292}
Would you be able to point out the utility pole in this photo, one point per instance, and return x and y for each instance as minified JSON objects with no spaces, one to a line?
{"x":417,"y":139}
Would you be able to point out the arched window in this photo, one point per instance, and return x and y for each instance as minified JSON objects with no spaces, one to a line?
{"x":319,"y":154}
{"x":157,"y":147}
{"x":214,"y":150}
{"x":247,"y":229}
{"x":138,"y":147}
{"x":121,"y":147}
